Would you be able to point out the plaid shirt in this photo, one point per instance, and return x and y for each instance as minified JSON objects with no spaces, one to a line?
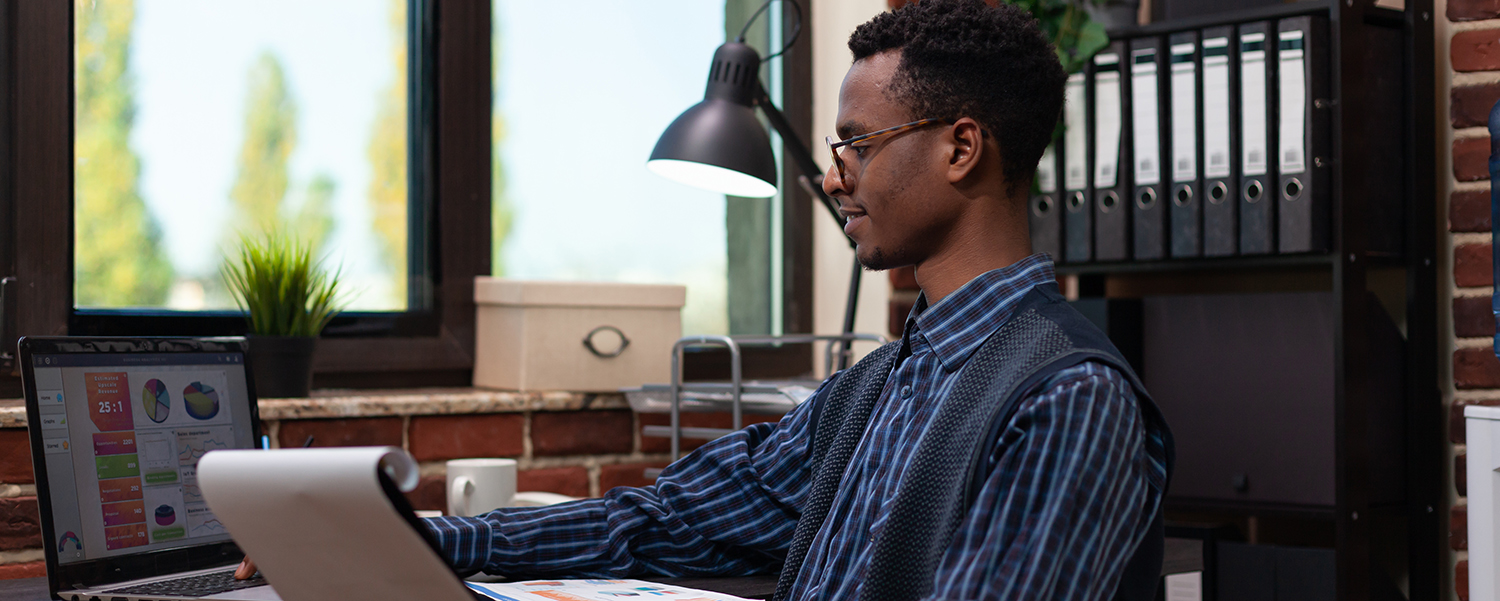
{"x":1071,"y":494}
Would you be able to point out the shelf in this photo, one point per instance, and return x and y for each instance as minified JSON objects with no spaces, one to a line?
{"x":1209,"y":506}
{"x":1266,"y":262}
{"x":1292,"y":9}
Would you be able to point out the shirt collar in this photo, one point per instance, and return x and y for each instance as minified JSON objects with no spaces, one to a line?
{"x":958,"y":324}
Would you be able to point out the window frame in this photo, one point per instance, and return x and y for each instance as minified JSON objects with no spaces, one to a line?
{"x":412,"y":349}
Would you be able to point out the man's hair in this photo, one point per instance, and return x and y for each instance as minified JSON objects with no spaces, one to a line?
{"x":964,"y":58}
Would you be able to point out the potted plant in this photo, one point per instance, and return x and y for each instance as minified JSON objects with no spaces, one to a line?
{"x":287,"y":298}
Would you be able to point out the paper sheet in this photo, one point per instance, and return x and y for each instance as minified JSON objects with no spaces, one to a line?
{"x":594,"y":590}
{"x":319,"y":526}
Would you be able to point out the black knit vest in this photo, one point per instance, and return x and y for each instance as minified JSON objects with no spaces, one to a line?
{"x":1043,"y":336}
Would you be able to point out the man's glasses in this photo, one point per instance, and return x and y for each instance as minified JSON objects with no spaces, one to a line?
{"x":833,"y":147}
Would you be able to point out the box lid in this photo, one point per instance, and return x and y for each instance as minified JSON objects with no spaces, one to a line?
{"x":498,"y":291}
{"x":1482,"y":412}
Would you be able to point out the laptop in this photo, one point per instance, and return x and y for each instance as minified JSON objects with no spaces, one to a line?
{"x":117,"y":427}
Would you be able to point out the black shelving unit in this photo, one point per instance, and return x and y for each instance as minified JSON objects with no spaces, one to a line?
{"x":1365,"y":527}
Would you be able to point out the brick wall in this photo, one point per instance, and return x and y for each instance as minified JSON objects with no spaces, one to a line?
{"x":20,"y":529}
{"x":1470,"y":64}
{"x":576,"y":453}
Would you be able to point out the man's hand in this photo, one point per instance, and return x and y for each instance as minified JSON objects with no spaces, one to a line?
{"x":246,"y":570}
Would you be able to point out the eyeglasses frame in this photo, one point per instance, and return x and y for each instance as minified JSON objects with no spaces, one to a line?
{"x":833,"y":147}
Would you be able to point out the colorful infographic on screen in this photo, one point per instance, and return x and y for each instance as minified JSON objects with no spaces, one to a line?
{"x":150,"y":428}
{"x":201,"y":400}
{"x":68,"y":537}
{"x":155,"y":400}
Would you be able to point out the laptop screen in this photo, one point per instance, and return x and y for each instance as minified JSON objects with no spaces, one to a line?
{"x":122,"y":433}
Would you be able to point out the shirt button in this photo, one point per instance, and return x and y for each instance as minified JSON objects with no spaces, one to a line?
{"x":906,"y":392}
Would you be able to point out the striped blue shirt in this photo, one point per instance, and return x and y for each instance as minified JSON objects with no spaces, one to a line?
{"x":1071,"y":494}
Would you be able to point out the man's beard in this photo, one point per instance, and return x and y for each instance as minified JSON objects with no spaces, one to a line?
{"x":879,"y":260}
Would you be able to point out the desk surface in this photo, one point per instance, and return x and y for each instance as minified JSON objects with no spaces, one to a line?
{"x":749,"y":587}
{"x":1182,"y":555}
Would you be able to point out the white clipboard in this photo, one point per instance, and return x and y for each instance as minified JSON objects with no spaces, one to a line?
{"x":320,"y":525}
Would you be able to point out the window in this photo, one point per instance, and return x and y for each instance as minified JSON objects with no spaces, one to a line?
{"x":196,"y":124}
{"x":579,"y":105}
{"x":423,"y":338}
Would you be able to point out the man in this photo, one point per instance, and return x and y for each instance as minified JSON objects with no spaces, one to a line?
{"x":943,"y":117}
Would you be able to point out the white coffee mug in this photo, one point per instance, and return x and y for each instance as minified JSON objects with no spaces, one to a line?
{"x":476,"y":486}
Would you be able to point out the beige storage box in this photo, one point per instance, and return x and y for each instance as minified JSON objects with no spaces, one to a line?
{"x":574,"y":336}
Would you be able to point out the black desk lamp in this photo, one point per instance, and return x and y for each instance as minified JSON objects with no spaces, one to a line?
{"x":719,"y":145}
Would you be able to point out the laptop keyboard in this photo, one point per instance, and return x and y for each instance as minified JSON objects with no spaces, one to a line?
{"x":202,"y":585}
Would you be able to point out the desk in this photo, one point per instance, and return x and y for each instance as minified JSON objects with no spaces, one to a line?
{"x":1182,"y":555}
{"x":750,"y":587}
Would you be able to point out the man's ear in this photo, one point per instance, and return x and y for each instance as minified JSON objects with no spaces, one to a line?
{"x":966,"y":143}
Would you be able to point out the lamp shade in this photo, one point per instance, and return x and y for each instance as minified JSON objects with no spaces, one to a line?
{"x":718,"y":144}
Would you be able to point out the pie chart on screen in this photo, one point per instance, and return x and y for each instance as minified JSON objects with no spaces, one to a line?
{"x":201,"y":400}
{"x":155,"y":400}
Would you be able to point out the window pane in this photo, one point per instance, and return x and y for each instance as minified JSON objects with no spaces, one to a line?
{"x":197,"y":122}
{"x":579,"y":104}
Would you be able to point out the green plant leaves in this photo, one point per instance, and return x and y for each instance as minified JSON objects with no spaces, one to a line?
{"x":1074,"y":35}
{"x":279,"y":286}
{"x":1091,"y":39}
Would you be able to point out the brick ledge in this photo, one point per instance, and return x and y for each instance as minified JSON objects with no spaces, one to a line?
{"x":379,"y":403}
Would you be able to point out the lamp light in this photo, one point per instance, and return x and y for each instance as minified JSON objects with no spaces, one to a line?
{"x":719,"y":145}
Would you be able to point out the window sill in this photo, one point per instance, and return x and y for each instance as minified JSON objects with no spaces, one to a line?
{"x":340,"y":403}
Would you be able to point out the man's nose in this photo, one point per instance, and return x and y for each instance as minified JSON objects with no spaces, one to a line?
{"x":833,"y":185}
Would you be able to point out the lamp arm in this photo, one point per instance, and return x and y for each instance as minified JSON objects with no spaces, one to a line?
{"x":798,"y":151}
{"x":810,"y":171}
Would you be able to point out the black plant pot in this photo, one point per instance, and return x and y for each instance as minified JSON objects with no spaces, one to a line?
{"x":282,"y":365}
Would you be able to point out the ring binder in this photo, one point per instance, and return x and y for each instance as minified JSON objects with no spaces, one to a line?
{"x":1219,"y":104}
{"x":1043,"y":211}
{"x":1078,"y":211}
{"x":1148,"y":58}
{"x":1186,"y":123}
{"x":1303,"y":215}
{"x":1257,"y":138}
{"x":1111,"y":101}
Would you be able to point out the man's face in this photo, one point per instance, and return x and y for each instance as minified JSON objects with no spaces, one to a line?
{"x":893,"y":194}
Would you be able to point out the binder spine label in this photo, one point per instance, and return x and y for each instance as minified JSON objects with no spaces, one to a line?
{"x":1184,"y":114}
{"x":1106,"y":120}
{"x":1253,"y":103}
{"x":1076,"y":135}
{"x":1046,"y":171}
{"x":1147,"y":130}
{"x":1293,"y":151}
{"x":1216,"y":106}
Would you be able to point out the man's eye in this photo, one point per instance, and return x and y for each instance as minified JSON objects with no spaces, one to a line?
{"x":859,"y":151}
